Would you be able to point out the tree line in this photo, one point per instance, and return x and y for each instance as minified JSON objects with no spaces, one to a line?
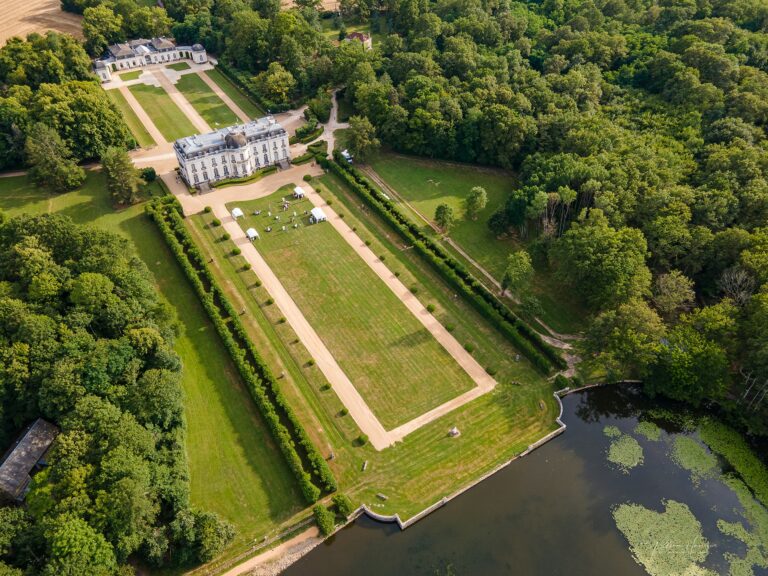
{"x":86,"y":344}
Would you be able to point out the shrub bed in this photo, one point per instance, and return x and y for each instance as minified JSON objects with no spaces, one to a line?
{"x":326,"y":520}
{"x":520,"y":334}
{"x":310,"y":468}
{"x":245,"y":179}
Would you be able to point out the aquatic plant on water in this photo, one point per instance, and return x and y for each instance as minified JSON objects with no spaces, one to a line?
{"x":625,"y":452}
{"x":668,"y":543}
{"x":692,"y":455}
{"x":648,"y":430}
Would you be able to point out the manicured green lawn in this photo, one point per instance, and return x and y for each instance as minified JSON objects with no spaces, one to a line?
{"x":132,"y":75}
{"x":226,"y":85}
{"x":204,"y":100}
{"x":393,"y":361}
{"x":143,"y":139}
{"x":428,"y":464}
{"x":179,"y":66}
{"x":169,"y":119}
{"x":235,"y":468}
{"x":425,"y":184}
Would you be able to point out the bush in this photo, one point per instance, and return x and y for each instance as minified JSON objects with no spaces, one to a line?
{"x":561,"y":382}
{"x":362,"y":440}
{"x":430,"y":308}
{"x":325,"y":387}
{"x":469,"y":347}
{"x":576,"y":381}
{"x":225,"y":237}
{"x":325,"y":519}
{"x":281,"y":320}
{"x":343,"y":412}
{"x":344,"y":506}
{"x":397,"y":274}
{"x":491,"y":371}
{"x":450,"y":327}
{"x":207,"y":209}
{"x":307,"y":178}
{"x":215,"y":222}
{"x":257,"y":284}
{"x":367,"y":242}
{"x":382,"y":257}
{"x":245,"y":267}
{"x":235,"y":251}
{"x":269,"y":302}
{"x":148,"y":174}
{"x":311,"y":362}
{"x":414,"y":289}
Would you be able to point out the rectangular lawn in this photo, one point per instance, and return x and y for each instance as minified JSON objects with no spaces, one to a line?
{"x":138,"y":130}
{"x":204,"y":100}
{"x":132,"y":75}
{"x":169,"y":119}
{"x":246,"y":104}
{"x":236,"y":470}
{"x":179,"y":66}
{"x":394,"y":362}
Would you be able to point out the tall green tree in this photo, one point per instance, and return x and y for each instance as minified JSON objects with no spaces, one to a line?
{"x":605,"y":265}
{"x":123,"y":180}
{"x":51,"y":163}
{"x":518,"y":273}
{"x":475,"y":202}
{"x":362,"y":137}
{"x":444,"y":217}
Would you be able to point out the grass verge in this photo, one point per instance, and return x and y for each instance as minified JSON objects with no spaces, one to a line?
{"x":203,"y":99}
{"x":169,"y":119}
{"x":226,"y":85}
{"x":136,"y":126}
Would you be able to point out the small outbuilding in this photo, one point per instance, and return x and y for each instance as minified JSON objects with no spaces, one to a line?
{"x":347,"y":156}
{"x":237,"y":213}
{"x":298,"y":192}
{"x":317,"y":215}
{"x":252,"y":234}
{"x":27,"y":454}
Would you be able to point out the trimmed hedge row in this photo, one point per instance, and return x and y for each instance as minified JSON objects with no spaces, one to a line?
{"x":307,"y":138}
{"x":518,"y":332}
{"x":236,"y":77}
{"x":282,"y":421}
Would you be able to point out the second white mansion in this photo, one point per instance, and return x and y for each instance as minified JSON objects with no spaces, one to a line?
{"x":232,"y":152}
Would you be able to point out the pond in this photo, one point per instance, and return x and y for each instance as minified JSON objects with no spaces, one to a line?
{"x":558,"y":511}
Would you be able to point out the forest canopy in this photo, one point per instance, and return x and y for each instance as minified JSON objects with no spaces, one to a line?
{"x":86,"y":344}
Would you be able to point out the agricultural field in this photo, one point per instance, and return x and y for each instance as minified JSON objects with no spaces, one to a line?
{"x":212,"y":108}
{"x":428,"y":464}
{"x":393,"y":361}
{"x":23,"y":17}
{"x":235,"y":468}
{"x":137,"y":128}
{"x":425,"y":184}
{"x":226,"y":85}
{"x":169,"y":119}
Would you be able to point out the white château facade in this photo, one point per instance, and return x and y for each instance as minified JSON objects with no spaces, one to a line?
{"x":141,"y":52}
{"x":233,"y":152}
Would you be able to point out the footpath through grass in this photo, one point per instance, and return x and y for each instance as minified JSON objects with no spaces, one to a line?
{"x":235,"y":468}
{"x":169,"y":119}
{"x":226,"y":85}
{"x":143,"y":138}
{"x":206,"y":102}
{"x":394,"y":362}
{"x":425,"y":184}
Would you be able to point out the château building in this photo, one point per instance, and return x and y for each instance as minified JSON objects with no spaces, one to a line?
{"x":232,"y":152}
{"x":141,"y":52}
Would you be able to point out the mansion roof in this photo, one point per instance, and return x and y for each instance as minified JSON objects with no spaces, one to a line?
{"x":229,"y":138}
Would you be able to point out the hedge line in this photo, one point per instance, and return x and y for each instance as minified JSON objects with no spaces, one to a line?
{"x":236,"y":77}
{"x":522,"y":336}
{"x":281,"y":419}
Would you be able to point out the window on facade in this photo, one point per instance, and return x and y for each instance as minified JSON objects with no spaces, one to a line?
{"x":196,"y":178}
{"x":213,"y":162}
{"x":266,"y":159}
{"x":194,"y":168}
{"x":263,"y":147}
{"x":242,"y":157}
{"x":205,"y":175}
{"x":226,"y":171}
{"x":216,"y":172}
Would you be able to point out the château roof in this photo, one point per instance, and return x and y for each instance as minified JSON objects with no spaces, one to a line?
{"x":229,"y":137}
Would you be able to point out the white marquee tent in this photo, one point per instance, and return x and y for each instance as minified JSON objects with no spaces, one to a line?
{"x":237,"y":213}
{"x":252,"y":234}
{"x":317,"y":215}
{"x":298,"y":192}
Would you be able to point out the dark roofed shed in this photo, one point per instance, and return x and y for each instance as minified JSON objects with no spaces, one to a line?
{"x":19,"y":461}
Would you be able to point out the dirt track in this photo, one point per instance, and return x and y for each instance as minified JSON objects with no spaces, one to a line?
{"x":22,"y":17}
